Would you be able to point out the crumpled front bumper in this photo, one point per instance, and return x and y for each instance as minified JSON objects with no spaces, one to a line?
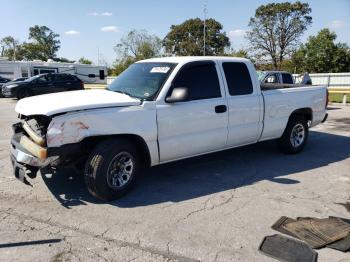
{"x":25,"y":165}
{"x":28,"y":159}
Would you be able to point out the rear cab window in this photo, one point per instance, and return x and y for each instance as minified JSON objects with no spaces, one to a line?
{"x":238,"y":78}
{"x":201,"y":79}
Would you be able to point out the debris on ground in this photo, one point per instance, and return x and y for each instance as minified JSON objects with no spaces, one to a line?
{"x":287,"y":249}
{"x":312,"y":233}
{"x":318,"y":232}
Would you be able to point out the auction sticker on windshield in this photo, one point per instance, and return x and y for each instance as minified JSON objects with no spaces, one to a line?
{"x":160,"y":69}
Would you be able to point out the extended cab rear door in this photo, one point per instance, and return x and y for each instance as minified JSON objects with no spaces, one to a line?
{"x":244,"y":102}
{"x":198,"y":125}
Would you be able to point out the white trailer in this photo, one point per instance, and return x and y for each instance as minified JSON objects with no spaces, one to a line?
{"x":90,"y":74}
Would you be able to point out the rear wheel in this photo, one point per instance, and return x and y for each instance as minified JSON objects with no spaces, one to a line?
{"x":112,"y":169}
{"x":23,"y":93}
{"x":295,"y":135}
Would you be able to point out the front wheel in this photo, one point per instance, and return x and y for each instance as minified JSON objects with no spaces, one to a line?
{"x":112,"y":169}
{"x":295,"y":135}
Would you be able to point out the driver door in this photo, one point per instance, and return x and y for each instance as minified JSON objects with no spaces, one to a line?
{"x":198,"y":125}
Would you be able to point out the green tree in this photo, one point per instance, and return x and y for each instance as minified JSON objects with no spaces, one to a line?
{"x":136,"y":45}
{"x":63,"y":60}
{"x":11,"y":48}
{"x":188,"y":38}
{"x":121,"y":65}
{"x":237,"y":53}
{"x":44,"y":43}
{"x":275,"y":30}
{"x":85,"y":61}
{"x":320,"y":54}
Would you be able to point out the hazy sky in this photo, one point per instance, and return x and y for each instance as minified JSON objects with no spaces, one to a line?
{"x":88,"y":25}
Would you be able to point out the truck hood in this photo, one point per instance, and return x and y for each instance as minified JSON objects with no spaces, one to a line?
{"x":57,"y":103}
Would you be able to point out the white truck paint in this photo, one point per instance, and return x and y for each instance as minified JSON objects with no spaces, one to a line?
{"x":174,"y":130}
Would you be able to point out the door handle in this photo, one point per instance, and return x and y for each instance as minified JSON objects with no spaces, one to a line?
{"x":220,"y":109}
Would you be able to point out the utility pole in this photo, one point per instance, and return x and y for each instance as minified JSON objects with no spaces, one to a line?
{"x":98,"y":56}
{"x":205,"y":11}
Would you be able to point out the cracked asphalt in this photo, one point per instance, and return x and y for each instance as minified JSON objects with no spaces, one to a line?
{"x":211,"y":208}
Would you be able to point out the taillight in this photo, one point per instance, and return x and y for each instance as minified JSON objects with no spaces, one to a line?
{"x":327,"y":98}
{"x":82,"y":85}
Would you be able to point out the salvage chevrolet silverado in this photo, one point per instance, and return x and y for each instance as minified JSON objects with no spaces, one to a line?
{"x":157,"y":111}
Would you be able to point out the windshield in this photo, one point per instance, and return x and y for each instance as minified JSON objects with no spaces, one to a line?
{"x":142,"y":80}
{"x":261,"y":75}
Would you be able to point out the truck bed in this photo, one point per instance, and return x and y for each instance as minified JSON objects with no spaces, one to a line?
{"x":281,"y":102}
{"x":265,"y":87}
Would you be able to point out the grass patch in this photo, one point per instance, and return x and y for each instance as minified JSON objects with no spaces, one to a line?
{"x":338,"y":98}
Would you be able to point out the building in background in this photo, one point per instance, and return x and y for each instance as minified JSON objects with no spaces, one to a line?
{"x":89,"y":74}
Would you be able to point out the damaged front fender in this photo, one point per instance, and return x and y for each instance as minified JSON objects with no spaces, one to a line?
{"x":74,"y":127}
{"x":66,"y":132}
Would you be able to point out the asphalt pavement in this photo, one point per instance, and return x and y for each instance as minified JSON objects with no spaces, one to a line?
{"x":216,"y":207}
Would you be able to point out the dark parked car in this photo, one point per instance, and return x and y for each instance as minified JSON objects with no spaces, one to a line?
{"x":19,"y":79}
{"x":2,"y":82}
{"x":42,"y":84}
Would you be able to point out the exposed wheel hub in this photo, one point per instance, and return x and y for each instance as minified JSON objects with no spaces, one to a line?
{"x":120,"y":170}
{"x":297,"y":135}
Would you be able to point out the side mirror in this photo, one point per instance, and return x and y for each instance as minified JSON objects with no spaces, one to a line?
{"x":179,"y":94}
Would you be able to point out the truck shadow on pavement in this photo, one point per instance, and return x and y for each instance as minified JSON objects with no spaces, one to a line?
{"x":209,"y":174}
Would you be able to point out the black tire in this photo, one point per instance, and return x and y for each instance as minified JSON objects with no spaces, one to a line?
{"x":286,"y":141}
{"x":98,"y":166}
{"x":23,"y":93}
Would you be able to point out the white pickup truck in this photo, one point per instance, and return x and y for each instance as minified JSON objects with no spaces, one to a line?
{"x":159,"y":110}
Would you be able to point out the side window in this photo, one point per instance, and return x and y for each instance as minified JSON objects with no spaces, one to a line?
{"x":42,"y":79}
{"x":272,"y":79}
{"x":70,"y":78}
{"x":60,"y":77}
{"x":51,"y":77}
{"x":201,"y":79}
{"x":237,"y":78}
{"x":287,"y":79}
{"x":102,"y":74}
{"x":47,"y":71}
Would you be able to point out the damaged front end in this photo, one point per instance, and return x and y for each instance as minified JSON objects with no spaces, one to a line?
{"x":29,"y":151}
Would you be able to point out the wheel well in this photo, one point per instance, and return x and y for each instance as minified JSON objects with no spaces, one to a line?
{"x":90,"y":142}
{"x":304,"y":112}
